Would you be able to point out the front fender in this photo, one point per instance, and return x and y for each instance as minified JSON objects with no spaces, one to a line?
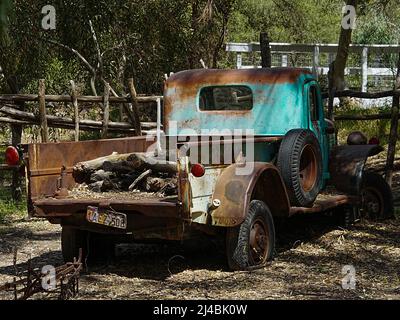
{"x":236,"y":191}
{"x":346,"y":166}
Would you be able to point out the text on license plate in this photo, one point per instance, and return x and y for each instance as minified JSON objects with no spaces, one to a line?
{"x":106,"y":217}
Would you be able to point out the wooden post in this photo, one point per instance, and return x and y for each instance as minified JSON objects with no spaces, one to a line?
{"x":331,"y":91}
{"x":16,"y":138}
{"x":284,"y":60}
{"x":393,"y":129}
{"x":239,"y":61}
{"x":316,"y":61}
{"x":44,"y":131}
{"x":106,"y":114}
{"x":132,"y":91}
{"x":76,"y":109}
{"x":266,"y":59}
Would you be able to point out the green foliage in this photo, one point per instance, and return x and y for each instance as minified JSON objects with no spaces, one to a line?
{"x":373,"y":128}
{"x":10,"y":207}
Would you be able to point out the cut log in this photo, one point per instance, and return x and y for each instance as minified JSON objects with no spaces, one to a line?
{"x":82,"y":171}
{"x":144,"y":161}
{"x":115,"y":162}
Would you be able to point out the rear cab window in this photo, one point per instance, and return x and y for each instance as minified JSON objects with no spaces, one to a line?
{"x":226,"y":98}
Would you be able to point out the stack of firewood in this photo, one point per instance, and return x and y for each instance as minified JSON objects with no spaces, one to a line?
{"x":128,"y":172}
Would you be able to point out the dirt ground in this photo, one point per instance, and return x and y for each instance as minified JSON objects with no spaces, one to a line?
{"x":310,"y":255}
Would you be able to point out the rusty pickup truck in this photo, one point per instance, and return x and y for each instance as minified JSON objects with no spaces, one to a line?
{"x":251,"y":146}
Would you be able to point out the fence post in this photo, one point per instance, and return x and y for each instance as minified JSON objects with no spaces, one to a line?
{"x":316,"y":61}
{"x":364,"y":69}
{"x":239,"y":61}
{"x":76,"y":109}
{"x":284,"y":60}
{"x":393,"y":129}
{"x":44,"y":131}
{"x":106,"y":113}
{"x":16,"y":137}
{"x":266,"y":60}
{"x":136,"y":119}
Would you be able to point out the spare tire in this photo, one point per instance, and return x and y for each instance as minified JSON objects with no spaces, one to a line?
{"x":300,"y":163}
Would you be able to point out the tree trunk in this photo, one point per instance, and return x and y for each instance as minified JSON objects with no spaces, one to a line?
{"x":393,"y":130}
{"x":342,"y":54}
{"x":265,"y":51}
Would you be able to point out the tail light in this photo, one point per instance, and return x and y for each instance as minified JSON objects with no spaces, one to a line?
{"x":374,"y":140}
{"x":197,"y":170}
{"x":12,"y":156}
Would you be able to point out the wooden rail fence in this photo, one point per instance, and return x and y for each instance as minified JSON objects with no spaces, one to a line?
{"x":11,"y":113}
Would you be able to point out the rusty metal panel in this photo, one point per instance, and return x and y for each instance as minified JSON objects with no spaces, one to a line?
{"x":51,"y":207}
{"x":202,"y":189}
{"x":234,"y":193}
{"x":45,"y":160}
{"x":346,"y":166}
{"x":325,"y":204}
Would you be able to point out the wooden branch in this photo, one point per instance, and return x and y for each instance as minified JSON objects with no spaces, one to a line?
{"x":70,"y":123}
{"x":136,"y":119}
{"x":138,"y":179}
{"x":352,"y":117}
{"x":13,"y":121}
{"x":67,"y":98}
{"x":99,"y":56}
{"x":363,"y":95}
{"x":106,"y":114}
{"x":75,"y":52}
{"x":76,"y":109}
{"x":42,"y":112}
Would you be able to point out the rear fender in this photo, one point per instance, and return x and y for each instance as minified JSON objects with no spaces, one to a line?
{"x":346,"y":166}
{"x":235,"y":192}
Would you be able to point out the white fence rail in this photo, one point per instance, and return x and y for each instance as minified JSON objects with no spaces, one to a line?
{"x":316,"y":49}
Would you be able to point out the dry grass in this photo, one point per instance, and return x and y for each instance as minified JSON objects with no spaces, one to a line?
{"x":311,"y":252}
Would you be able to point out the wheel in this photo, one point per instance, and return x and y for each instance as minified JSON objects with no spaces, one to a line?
{"x":376,"y":197}
{"x":96,"y":248}
{"x":72,"y":240}
{"x":251,"y":244}
{"x":300,"y":164}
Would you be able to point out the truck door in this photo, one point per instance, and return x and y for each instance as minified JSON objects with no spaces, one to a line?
{"x":316,"y":122}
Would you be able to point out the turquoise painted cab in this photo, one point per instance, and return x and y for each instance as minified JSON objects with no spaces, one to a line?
{"x":268,"y":101}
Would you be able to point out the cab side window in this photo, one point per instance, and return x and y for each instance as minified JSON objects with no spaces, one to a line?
{"x":313,"y":102}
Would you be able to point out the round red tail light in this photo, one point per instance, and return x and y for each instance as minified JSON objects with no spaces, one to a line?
{"x":197,"y":170}
{"x":12,"y":156}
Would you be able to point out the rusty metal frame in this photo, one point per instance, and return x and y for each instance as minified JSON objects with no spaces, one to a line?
{"x":346,"y":166}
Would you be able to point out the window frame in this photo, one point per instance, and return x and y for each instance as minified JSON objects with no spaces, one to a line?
{"x":198,"y":97}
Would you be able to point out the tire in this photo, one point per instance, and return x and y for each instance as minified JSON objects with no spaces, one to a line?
{"x":72,"y":240}
{"x":96,"y":248}
{"x":257,"y":231}
{"x":376,"y":197}
{"x":300,"y":163}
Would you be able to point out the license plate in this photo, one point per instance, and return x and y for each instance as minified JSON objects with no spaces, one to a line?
{"x":106,"y":218}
